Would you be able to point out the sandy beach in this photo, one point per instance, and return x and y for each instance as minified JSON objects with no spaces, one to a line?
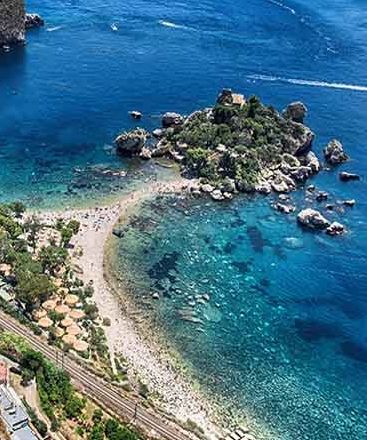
{"x":151,"y":365}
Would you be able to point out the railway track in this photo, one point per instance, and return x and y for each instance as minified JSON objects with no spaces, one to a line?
{"x":98,"y":389}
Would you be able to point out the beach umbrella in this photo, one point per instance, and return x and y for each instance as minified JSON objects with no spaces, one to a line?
{"x":77,"y":314}
{"x":38,"y":314}
{"x":73,"y":330}
{"x":80,"y":346}
{"x":59,"y":332}
{"x":67,"y":322}
{"x":69,"y":339}
{"x":45,"y":322}
{"x":49,"y":305}
{"x":63,"y":309}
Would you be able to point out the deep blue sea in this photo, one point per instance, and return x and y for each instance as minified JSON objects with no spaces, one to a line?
{"x":283,"y":337}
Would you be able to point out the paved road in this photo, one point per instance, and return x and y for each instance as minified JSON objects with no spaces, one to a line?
{"x":98,"y":389}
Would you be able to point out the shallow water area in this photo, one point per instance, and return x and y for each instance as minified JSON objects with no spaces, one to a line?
{"x":252,"y":304}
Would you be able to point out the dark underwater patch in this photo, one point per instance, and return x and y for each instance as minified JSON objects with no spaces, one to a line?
{"x":355,"y":351}
{"x":279,"y":252}
{"x":237,"y":223}
{"x":256,"y":239}
{"x":242,"y":266}
{"x":353,"y":310}
{"x":311,"y":330}
{"x":229,"y":248}
{"x":164,"y":266}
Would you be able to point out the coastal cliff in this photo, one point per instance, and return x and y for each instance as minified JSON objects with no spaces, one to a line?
{"x":12,"y":22}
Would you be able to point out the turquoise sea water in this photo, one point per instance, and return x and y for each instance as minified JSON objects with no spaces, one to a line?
{"x":284,"y":333}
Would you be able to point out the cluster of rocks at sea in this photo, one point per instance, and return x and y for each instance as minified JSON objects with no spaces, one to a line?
{"x":239,"y":146}
{"x":14,"y":22}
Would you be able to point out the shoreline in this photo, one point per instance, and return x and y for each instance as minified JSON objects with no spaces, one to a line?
{"x":146,"y":360}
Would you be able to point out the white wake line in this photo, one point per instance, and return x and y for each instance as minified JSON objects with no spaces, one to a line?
{"x":304,"y":82}
{"x":170,"y":24}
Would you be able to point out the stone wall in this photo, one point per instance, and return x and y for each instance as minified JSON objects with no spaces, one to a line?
{"x":12,"y":26}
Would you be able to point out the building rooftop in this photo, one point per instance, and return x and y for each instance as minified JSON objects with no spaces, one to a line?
{"x":14,"y":415}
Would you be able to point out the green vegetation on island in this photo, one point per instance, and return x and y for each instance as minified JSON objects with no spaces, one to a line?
{"x":239,"y":145}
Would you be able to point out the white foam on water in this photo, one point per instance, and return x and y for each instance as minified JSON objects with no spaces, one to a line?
{"x":283,"y":6}
{"x":53,"y":29}
{"x":170,"y":24}
{"x":305,"y":82}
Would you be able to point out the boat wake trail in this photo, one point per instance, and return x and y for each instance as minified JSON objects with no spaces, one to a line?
{"x":283,"y":6}
{"x":170,"y":24}
{"x":309,"y":83}
{"x":53,"y":29}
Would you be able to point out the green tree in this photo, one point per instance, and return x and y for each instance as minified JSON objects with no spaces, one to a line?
{"x":97,"y":416}
{"x":32,"y":227}
{"x":52,"y":258}
{"x":32,"y":288}
{"x":74,"y":407}
{"x":18,"y":208}
{"x":96,"y":433}
{"x":66,"y":236}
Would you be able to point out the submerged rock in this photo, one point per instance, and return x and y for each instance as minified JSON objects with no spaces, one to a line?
{"x":345,"y":177}
{"x":118,"y":232}
{"x":321,"y":196}
{"x":312,"y":219}
{"x":334,"y":152}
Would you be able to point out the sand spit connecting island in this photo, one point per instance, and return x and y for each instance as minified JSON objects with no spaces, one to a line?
{"x":152,"y":366}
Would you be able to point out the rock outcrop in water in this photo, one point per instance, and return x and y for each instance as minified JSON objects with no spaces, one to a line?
{"x":131,"y":143}
{"x":312,"y":219}
{"x":33,"y":21}
{"x":12,"y":22}
{"x":239,"y":145}
{"x":296,"y":111}
{"x":334,"y":153}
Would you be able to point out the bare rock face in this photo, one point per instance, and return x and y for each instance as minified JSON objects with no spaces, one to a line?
{"x":334,"y":152}
{"x":296,"y":111}
{"x":33,"y":21}
{"x":171,"y":119}
{"x":312,"y":219}
{"x":131,"y":143}
{"x":12,"y":22}
{"x":335,"y":229}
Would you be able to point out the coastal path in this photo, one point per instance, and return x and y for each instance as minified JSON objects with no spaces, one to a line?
{"x":98,"y":389}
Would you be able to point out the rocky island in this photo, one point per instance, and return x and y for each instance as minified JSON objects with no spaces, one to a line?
{"x":239,"y":145}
